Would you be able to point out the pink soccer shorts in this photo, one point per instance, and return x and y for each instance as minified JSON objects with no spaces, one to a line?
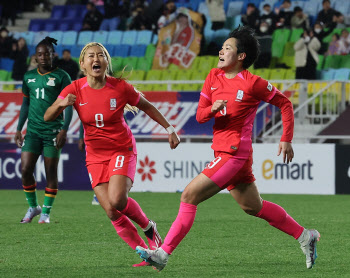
{"x":120,"y":164}
{"x":227,"y":171}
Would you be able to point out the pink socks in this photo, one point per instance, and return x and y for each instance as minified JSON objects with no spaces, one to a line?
{"x":128,"y":232}
{"x":280,"y":219}
{"x":135,"y":213}
{"x":180,"y":227}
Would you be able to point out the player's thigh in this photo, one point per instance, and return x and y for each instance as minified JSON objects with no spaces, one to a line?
{"x":101,"y":191}
{"x":49,"y":146}
{"x":248,"y":197}
{"x":118,"y":189}
{"x":199,"y":189}
{"x":28,"y":161}
{"x":32,"y":144}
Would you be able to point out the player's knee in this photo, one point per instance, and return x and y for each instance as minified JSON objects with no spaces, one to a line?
{"x":26,"y":172}
{"x":249,"y":210}
{"x":188,"y":197}
{"x":118,"y":202}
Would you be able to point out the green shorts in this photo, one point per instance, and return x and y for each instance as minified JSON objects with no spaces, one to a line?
{"x":35,"y":143}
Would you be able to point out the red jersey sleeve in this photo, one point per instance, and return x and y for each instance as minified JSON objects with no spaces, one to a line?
{"x":204,"y":113}
{"x":133,"y":95}
{"x":263,"y":90}
{"x":70,"y":89}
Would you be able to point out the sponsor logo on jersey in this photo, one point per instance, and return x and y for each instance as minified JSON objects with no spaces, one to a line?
{"x":31,"y":80}
{"x":51,"y":81}
{"x":113,"y":103}
{"x":269,"y":86}
{"x":239,"y":96}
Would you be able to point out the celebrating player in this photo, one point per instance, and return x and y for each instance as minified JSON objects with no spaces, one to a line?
{"x":100,"y":101}
{"x":41,"y":87}
{"x":231,"y":95}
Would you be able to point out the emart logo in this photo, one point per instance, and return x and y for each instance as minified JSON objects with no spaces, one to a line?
{"x":146,"y":169}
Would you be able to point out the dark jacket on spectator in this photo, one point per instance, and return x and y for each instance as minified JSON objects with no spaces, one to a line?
{"x":20,"y":65}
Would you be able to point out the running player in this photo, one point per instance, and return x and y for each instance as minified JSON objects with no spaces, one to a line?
{"x":100,"y":101}
{"x":231,"y":95}
{"x":41,"y":86}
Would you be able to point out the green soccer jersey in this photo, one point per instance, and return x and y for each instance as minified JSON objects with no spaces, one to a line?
{"x":43,"y":90}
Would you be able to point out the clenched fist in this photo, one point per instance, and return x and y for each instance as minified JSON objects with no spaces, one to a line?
{"x":218,"y":105}
{"x":68,"y":100}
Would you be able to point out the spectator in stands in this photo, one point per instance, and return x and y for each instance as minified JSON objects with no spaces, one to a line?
{"x":306,"y":56}
{"x":264,"y":36}
{"x":333,"y":48}
{"x":19,"y":54}
{"x":300,"y":19}
{"x":9,"y":9}
{"x":68,"y":64}
{"x":338,"y":18}
{"x":5,"y":43}
{"x":139,"y":20}
{"x":33,"y":64}
{"x":320,"y":33}
{"x":93,"y":18}
{"x":326,"y":14}
{"x":268,"y":16}
{"x":284,"y":14}
{"x":169,"y":14}
{"x":344,"y":42}
{"x":110,"y":19}
{"x":216,"y":13}
{"x":251,"y":17}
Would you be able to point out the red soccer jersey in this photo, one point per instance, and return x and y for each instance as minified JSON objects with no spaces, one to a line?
{"x":101,"y":112}
{"x":233,"y":125}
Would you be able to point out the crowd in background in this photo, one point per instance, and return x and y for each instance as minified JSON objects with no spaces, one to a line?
{"x":153,"y":15}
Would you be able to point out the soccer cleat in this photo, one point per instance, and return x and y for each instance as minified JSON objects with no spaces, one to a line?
{"x":153,"y":237}
{"x":31,"y":213}
{"x":309,"y":247}
{"x":95,"y":200}
{"x":157,"y":258}
{"x":44,"y":218}
{"x":143,"y":263}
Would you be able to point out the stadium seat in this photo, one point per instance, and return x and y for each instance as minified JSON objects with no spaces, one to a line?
{"x":75,"y":50}
{"x":199,"y":74}
{"x":220,"y":36}
{"x":280,"y":38}
{"x":192,"y":87}
{"x":328,"y":39}
{"x":130,"y":63}
{"x":69,"y":38}
{"x":117,"y":64}
{"x":36,"y":25}
{"x":234,"y":8}
{"x":203,"y":9}
{"x":342,"y":74}
{"x":169,"y":74}
{"x":320,"y":62}
{"x":110,"y":48}
{"x":144,"y":63}
{"x":345,"y":61}
{"x":160,"y":87}
{"x":76,"y":26}
{"x":115,"y":37}
{"x":246,"y":2}
{"x":144,"y":37}
{"x":184,"y":74}
{"x":31,"y":49}
{"x":84,"y":37}
{"x":28,"y":36}
{"x":290,"y":74}
{"x":4,"y":75}
{"x":194,"y":4}
{"x":296,"y":34}
{"x":277,"y":74}
{"x":154,"y":75}
{"x":129,"y":37}
{"x":137,"y":50}
{"x":145,"y":87}
{"x":100,"y":36}
{"x":137,"y":75}
{"x":177,"y":87}
{"x":327,"y":74}
{"x":342,"y":6}
{"x":332,"y":61}
{"x":72,"y":11}
{"x":311,"y":8}
{"x":39,"y":36}
{"x":297,"y":3}
{"x":58,"y":35}
{"x":264,"y":73}
{"x":6,"y":64}
{"x":155,"y":39}
{"x":65,"y":25}
{"x":150,"y":51}
{"x":207,"y":62}
{"x":58,"y":11}
{"x":50,"y":25}
{"x":121,"y":50}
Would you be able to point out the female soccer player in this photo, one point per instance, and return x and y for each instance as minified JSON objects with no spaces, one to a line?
{"x":41,"y":86}
{"x":100,"y":101}
{"x":231,"y":95}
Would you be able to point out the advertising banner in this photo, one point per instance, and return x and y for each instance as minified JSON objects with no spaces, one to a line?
{"x":179,"y":42}
{"x":342,"y":166}
{"x":160,"y":169}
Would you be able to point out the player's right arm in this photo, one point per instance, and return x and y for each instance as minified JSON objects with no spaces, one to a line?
{"x":58,"y":106}
{"x":23,"y":115}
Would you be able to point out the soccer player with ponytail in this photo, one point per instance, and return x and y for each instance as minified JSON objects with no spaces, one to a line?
{"x":41,"y":86}
{"x":111,"y":153}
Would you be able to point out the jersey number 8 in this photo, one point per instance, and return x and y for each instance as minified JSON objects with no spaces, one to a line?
{"x":99,"y":120}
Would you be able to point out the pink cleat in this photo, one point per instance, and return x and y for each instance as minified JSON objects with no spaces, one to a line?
{"x":143,"y":263}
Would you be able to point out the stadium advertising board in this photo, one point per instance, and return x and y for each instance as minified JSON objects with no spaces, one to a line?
{"x":179,"y":108}
{"x":160,"y":169}
{"x":342,"y":171}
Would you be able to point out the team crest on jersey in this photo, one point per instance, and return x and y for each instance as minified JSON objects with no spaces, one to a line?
{"x":239,"y":96}
{"x":269,"y":86}
{"x":113,"y":103}
{"x":31,"y":80}
{"x":51,"y":81}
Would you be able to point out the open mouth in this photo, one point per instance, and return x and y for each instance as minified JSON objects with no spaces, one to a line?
{"x":221,"y":60}
{"x":96,"y":68}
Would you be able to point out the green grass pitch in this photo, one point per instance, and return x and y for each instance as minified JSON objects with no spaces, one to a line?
{"x":223,"y":242}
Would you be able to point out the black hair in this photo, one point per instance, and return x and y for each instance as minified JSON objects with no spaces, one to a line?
{"x":297,"y":9}
{"x":247,"y":43}
{"x":48,"y":42}
{"x":66,"y":50}
{"x":325,"y":1}
{"x":267,"y":5}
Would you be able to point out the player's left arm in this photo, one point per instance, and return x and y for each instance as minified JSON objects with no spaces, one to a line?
{"x":157,"y":116}
{"x":272,"y":95}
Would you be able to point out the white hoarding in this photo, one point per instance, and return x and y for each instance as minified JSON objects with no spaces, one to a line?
{"x":160,"y":169}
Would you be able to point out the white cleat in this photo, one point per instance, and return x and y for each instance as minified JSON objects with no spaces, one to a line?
{"x":157,"y":258}
{"x":309,"y":247}
{"x":31,"y":213}
{"x":153,"y":237}
{"x":44,"y":218}
{"x":95,"y":200}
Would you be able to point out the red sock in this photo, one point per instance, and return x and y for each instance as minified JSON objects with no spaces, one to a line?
{"x":180,"y":227}
{"x":128,"y":232}
{"x":135,"y":213}
{"x":280,"y":219}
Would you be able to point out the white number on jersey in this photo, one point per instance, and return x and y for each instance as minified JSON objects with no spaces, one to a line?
{"x":99,"y":120}
{"x":38,"y":93}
